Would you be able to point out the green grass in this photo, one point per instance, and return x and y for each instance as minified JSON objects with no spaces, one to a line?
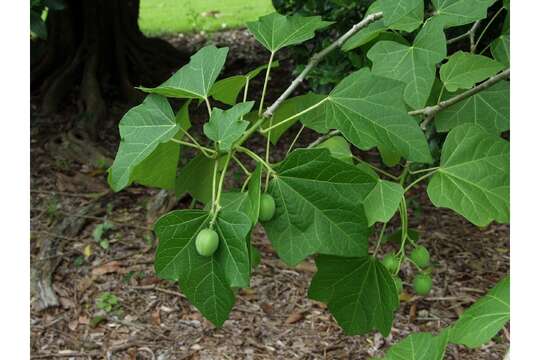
{"x":159,"y":17}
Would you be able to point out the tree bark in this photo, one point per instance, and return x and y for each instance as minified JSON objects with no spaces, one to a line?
{"x":97,"y":48}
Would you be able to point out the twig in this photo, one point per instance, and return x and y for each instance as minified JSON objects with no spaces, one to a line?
{"x":470,"y":33}
{"x":326,"y":136}
{"x":315,"y":59}
{"x":430,"y":111}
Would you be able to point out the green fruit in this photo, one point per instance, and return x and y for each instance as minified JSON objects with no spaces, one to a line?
{"x":399,"y":284}
{"x":267,"y":208}
{"x":422,"y":284}
{"x":390,"y":262}
{"x":207,"y":242}
{"x":420,"y":256}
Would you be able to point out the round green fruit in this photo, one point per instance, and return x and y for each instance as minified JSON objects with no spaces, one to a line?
{"x":420,"y":256}
{"x":390,"y":262}
{"x":267,"y":208}
{"x":422,"y":284}
{"x":207,"y":242}
{"x":399,"y":284}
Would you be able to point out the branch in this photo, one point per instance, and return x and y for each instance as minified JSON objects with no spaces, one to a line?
{"x":430,"y":111}
{"x":470,"y":34}
{"x":315,"y":59}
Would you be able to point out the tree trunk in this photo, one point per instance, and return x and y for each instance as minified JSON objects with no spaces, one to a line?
{"x":96,"y":46}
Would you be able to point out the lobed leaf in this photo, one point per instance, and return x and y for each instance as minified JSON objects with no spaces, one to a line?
{"x":413,"y":65}
{"x":460,"y":12}
{"x":360,"y":293}
{"x":406,"y":15}
{"x":463,"y":70}
{"x":142,"y":129}
{"x":419,"y":346}
{"x":226,"y":126}
{"x":473,"y":178}
{"x":195,"y":79}
{"x":500,"y":49}
{"x":275,"y":31}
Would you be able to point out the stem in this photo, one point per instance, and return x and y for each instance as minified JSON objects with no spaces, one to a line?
{"x":473,"y":48}
{"x":214,"y":186}
{"x":246,"y":171}
{"x":196,"y":146}
{"x":246,"y":87}
{"x":245,"y":182}
{"x":255,"y":157}
{"x":418,"y":180}
{"x":470,"y":33}
{"x":387,"y":174}
{"x":208,"y":107}
{"x":216,"y":206}
{"x":423,"y":170}
{"x":404,"y":229}
{"x":294,"y":116}
{"x":380,"y":239}
{"x":295,"y":140}
{"x":268,"y":68}
{"x":316,"y":58}
{"x":323,"y":138}
{"x":267,"y":157}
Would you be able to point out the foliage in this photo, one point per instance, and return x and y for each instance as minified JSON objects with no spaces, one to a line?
{"x":107,"y":302}
{"x":323,"y":200}
{"x":38,"y":11}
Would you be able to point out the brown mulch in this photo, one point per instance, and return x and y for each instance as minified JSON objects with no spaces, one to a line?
{"x":273,"y":319}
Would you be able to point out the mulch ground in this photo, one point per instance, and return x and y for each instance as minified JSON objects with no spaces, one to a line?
{"x":273,"y":319}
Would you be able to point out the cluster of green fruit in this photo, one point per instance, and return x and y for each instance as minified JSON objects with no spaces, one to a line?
{"x":420,"y":257}
{"x":207,"y":240}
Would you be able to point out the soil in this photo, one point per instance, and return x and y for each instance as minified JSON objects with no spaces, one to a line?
{"x":273,"y":319}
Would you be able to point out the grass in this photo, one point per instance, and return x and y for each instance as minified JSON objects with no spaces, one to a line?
{"x":160,"y":17}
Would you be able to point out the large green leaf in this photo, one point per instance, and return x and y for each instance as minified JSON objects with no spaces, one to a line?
{"x":490,"y":109}
{"x":275,"y":31}
{"x":370,"y":32}
{"x":339,"y":148}
{"x":195,"y":79}
{"x":205,"y":281}
{"x":202,"y":279}
{"x":226,"y":126}
{"x":473,"y":178}
{"x":360,"y":293}
{"x":159,"y":168}
{"x":479,"y":323}
{"x":196,"y":178}
{"x":413,"y":65}
{"x":382,"y":201}
{"x":406,"y":15}
{"x":463,"y":70}
{"x":500,"y":49}
{"x":318,"y":207}
{"x":461,"y":12}
{"x":419,"y":346}
{"x":227,"y":90}
{"x":142,"y":129}
{"x":367,"y":110}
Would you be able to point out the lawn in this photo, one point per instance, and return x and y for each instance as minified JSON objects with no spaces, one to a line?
{"x":158,"y":17}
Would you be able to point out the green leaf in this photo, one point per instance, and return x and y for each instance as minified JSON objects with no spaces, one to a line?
{"x":500,"y":49}
{"x":196,"y":178}
{"x":360,"y":293}
{"x":339,"y":148}
{"x":406,"y":15}
{"x":490,"y":109}
{"x":205,"y":281}
{"x":202,"y":279}
{"x":275,"y":31}
{"x":473,"y":178}
{"x":227,"y":90}
{"x":461,"y":12}
{"x":482,"y":321}
{"x":315,"y":212}
{"x":225,"y":126}
{"x":419,"y":346}
{"x":195,"y":79}
{"x":367,"y":110}
{"x":142,"y":129}
{"x":254,"y":193}
{"x":382,"y":201}
{"x":413,"y":65}
{"x":37,"y":25}
{"x":159,"y":168}
{"x":291,"y":107}
{"x":463,"y":70}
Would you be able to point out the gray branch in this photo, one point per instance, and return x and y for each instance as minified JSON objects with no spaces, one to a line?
{"x":315,"y":59}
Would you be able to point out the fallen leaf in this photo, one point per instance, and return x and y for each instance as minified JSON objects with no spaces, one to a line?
{"x":307,"y":267}
{"x":107,"y":268}
{"x":155,"y":317}
{"x":294,"y":317}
